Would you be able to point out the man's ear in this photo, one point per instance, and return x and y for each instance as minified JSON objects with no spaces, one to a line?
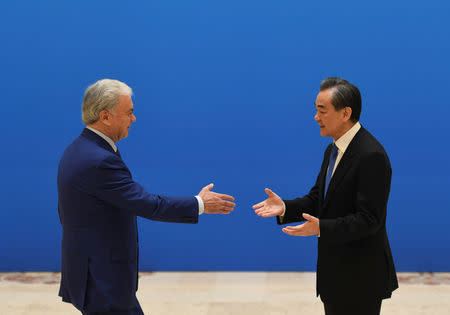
{"x":105,"y":117}
{"x":347,"y":113}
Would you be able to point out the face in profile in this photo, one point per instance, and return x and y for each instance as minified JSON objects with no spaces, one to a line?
{"x":122,"y":118}
{"x":332,"y":122}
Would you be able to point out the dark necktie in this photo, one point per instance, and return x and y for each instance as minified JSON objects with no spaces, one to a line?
{"x":118,"y":153}
{"x":331,"y":163}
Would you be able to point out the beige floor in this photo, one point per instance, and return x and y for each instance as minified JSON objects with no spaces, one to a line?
{"x":224,"y":293}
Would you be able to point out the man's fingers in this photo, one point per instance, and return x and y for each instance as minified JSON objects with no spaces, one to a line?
{"x":225,"y":197}
{"x":295,"y":228}
{"x":268,"y":214}
{"x":225,"y":211}
{"x":258,"y":205}
{"x":229,"y":204}
{"x":221,"y":211}
{"x":310,"y":217}
{"x":226,"y":205}
{"x":292,"y":228}
{"x":264,"y":213}
{"x":290,"y":232}
{"x":208,"y":187}
{"x":219,"y":208}
{"x":259,"y":212}
{"x":269,"y":192}
{"x":286,"y":231}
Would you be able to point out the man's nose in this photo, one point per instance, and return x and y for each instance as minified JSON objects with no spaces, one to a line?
{"x":133,"y":118}
{"x":316,"y":117}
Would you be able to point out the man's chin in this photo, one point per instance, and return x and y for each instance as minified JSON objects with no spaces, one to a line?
{"x":124,"y":135}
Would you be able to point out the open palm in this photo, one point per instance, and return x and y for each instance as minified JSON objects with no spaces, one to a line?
{"x":270,"y":207}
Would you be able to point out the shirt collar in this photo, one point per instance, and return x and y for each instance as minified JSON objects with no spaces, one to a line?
{"x":343,"y":142}
{"x":107,"y":139}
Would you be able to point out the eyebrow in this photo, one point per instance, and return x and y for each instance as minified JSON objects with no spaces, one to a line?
{"x":320,"y":106}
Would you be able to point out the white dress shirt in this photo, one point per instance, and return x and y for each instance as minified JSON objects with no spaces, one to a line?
{"x":342,"y":144}
{"x":201,"y":205}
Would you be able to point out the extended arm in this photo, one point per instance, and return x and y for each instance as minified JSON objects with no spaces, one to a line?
{"x":307,"y":204}
{"x":115,"y":186}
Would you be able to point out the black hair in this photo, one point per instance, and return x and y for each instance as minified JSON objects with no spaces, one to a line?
{"x":344,"y":94}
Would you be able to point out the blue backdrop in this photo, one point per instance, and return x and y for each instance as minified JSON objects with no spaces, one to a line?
{"x":224,"y":93}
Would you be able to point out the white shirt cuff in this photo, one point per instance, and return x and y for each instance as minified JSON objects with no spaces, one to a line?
{"x":201,"y":205}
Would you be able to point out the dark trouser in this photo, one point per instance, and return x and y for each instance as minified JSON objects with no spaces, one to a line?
{"x":137,"y":310}
{"x":352,"y":308}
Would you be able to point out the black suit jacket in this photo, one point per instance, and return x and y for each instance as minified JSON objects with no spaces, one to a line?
{"x":354,"y":257}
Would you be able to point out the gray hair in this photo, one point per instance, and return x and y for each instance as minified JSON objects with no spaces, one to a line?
{"x":102,"y":95}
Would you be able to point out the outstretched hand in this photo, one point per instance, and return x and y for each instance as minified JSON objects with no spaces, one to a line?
{"x":311,"y":227}
{"x":270,"y":207}
{"x":215,"y":202}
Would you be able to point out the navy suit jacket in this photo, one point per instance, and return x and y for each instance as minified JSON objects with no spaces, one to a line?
{"x":98,"y":202}
{"x":354,"y":257}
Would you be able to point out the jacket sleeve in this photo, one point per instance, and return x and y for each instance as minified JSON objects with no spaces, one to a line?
{"x":372,"y":191}
{"x":307,"y":204}
{"x":114,"y":185}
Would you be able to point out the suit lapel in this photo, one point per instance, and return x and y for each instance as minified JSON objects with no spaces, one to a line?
{"x":344,"y":164}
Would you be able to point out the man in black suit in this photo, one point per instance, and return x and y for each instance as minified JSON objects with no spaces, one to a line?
{"x":346,"y":208}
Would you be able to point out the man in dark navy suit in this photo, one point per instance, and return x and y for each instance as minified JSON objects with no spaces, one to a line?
{"x":346,"y":208}
{"x":98,"y":202}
